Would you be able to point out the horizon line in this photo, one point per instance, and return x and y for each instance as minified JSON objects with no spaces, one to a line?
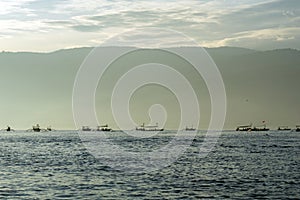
{"x":93,"y":47}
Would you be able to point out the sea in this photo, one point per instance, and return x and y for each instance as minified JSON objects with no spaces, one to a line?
{"x":242,"y":165}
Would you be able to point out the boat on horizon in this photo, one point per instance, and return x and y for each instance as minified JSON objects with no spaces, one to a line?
{"x":86,"y":128}
{"x":8,"y":129}
{"x":298,"y":128}
{"x":250,"y":128}
{"x":144,"y":127}
{"x":36,"y":128}
{"x":244,"y":128}
{"x":260,"y":128}
{"x":104,"y":128}
{"x":284,"y":128}
{"x":190,"y":128}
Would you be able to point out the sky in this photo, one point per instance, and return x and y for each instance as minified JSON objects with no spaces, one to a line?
{"x":43,"y":26}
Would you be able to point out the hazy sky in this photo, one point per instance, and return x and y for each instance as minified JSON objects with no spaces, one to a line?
{"x":42,"y":25}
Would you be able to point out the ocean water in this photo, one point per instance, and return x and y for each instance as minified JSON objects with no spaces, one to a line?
{"x":56,"y":165}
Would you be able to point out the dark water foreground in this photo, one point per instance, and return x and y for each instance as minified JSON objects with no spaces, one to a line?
{"x":242,"y":166}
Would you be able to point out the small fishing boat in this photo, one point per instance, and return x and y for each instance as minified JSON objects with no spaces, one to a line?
{"x":249,"y":128}
{"x":104,"y":128}
{"x":8,"y":129}
{"x":190,"y":128}
{"x":49,"y":128}
{"x":244,"y":128}
{"x":260,"y":128}
{"x":284,"y":128}
{"x":36,"y":128}
{"x":143,"y":127}
{"x":298,"y":128}
{"x":86,"y":128}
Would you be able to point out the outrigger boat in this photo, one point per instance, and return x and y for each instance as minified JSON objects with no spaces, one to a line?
{"x":49,"y":128}
{"x":260,"y":128}
{"x":104,"y":128}
{"x":189,"y":128}
{"x":244,"y":128}
{"x":36,"y":128}
{"x":255,"y":128}
{"x":86,"y":128}
{"x":143,"y":127}
{"x":8,"y":129}
{"x":284,"y":128}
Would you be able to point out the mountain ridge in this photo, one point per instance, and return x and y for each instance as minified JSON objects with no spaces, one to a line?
{"x":260,"y":85}
{"x":206,"y":48}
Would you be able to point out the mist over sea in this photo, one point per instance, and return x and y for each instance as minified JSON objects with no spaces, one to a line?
{"x":260,"y":85}
{"x":56,"y":165}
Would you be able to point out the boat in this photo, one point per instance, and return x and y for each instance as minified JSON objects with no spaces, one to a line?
{"x":104,"y":128}
{"x":260,"y":128}
{"x":249,"y":127}
{"x":244,"y":128}
{"x":8,"y":129}
{"x":189,"y":128}
{"x":49,"y":128}
{"x":36,"y":128}
{"x":143,"y":127}
{"x":86,"y":128}
{"x":284,"y":128}
{"x":298,"y":128}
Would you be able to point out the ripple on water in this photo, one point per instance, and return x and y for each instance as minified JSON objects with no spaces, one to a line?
{"x":56,"y":165}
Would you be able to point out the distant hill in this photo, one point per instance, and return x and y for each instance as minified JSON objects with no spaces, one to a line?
{"x":229,"y":51}
{"x":260,"y":85}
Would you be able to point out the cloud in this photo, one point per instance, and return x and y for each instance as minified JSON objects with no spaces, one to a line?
{"x":13,"y":27}
{"x":264,"y":26}
{"x":14,"y":6}
{"x":261,"y":16}
{"x":211,"y":23}
{"x":263,"y":39}
{"x":86,"y":28}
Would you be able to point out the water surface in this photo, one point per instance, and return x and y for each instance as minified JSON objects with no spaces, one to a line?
{"x":56,"y":165}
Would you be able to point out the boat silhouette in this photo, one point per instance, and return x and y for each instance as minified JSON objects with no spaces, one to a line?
{"x":8,"y":129}
{"x":104,"y":128}
{"x":144,"y":127}
{"x":36,"y":128}
{"x":284,"y":128}
{"x":260,"y":128}
{"x":249,"y":127}
{"x":49,"y":128}
{"x":190,"y":128}
{"x":244,"y":128}
{"x":86,"y":128}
